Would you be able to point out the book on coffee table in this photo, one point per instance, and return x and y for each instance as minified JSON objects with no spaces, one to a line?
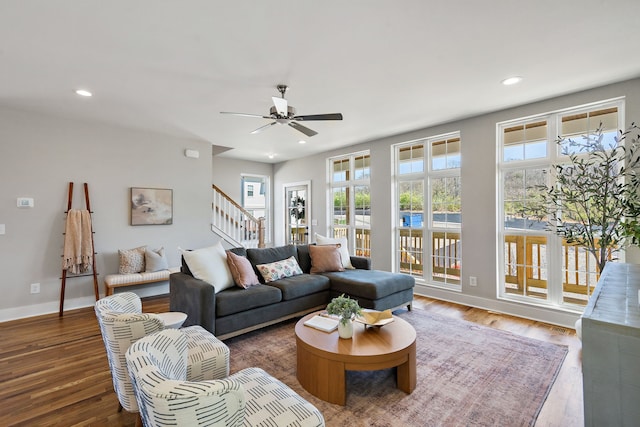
{"x":326,"y":324}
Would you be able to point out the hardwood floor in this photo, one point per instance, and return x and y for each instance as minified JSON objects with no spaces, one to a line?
{"x":54,"y":371}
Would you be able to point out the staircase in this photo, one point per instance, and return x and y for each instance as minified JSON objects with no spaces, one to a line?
{"x":234,"y":224}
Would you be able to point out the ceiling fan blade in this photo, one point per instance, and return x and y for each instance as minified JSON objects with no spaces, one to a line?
{"x":246,"y":115}
{"x":331,"y":116}
{"x":281,"y":105}
{"x":303,"y":129}
{"x":261,"y":128}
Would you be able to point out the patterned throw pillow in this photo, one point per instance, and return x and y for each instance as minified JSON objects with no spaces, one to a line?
{"x":131,"y":260}
{"x":279,"y":269}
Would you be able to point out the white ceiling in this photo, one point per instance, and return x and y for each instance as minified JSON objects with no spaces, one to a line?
{"x":389,"y":66}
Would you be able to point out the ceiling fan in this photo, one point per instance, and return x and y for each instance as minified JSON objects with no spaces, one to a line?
{"x":283,"y":114}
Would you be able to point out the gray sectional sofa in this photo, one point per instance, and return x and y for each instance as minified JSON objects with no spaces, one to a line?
{"x":235,"y":310}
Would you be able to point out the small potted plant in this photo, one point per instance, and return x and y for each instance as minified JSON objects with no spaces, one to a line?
{"x":346,"y":308}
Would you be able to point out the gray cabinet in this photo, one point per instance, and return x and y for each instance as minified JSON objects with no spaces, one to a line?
{"x":611,"y":349}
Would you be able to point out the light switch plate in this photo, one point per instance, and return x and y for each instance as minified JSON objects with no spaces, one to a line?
{"x":2,"y":229}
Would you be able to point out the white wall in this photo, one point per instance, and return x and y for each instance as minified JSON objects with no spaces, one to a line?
{"x":478,"y":195}
{"x":40,"y":155}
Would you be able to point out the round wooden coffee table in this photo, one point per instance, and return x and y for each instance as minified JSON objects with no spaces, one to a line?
{"x":323,"y":358}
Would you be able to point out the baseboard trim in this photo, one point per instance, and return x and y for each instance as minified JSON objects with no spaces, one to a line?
{"x":15,"y":313}
{"x":540,"y":314}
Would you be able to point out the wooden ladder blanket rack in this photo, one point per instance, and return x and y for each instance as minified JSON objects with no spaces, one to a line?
{"x":93,"y":258}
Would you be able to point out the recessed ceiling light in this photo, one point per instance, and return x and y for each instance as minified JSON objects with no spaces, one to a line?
{"x":512,"y":80}
{"x":302,"y":141}
{"x":83,"y":92}
{"x":271,"y":156}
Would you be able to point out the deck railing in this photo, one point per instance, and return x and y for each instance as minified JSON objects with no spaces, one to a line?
{"x":525,"y":263}
{"x":525,"y":274}
{"x":445,"y":254}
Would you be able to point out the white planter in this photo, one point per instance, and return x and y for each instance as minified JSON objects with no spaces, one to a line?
{"x":345,"y":330}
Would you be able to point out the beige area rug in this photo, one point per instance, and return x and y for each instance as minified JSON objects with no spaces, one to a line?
{"x":468,"y":375}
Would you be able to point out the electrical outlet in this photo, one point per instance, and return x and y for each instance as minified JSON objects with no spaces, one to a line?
{"x":473,"y":281}
{"x":35,"y":288}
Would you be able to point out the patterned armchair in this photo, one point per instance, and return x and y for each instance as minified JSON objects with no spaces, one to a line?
{"x":122,"y":323}
{"x":251,"y":397}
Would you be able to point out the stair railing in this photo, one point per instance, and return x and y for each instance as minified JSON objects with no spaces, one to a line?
{"x":234,"y":223}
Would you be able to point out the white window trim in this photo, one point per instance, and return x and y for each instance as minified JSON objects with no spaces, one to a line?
{"x":426,"y":176}
{"x":554,"y":244}
{"x":351,"y":184}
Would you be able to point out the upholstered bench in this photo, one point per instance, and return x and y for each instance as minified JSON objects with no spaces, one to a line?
{"x":118,"y":280}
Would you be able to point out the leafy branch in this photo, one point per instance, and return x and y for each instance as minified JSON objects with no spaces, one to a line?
{"x":593,"y":200}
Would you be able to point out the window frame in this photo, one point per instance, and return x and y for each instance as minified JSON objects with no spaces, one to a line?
{"x":426,"y":176}
{"x":350,"y":184}
{"x":555,"y":247}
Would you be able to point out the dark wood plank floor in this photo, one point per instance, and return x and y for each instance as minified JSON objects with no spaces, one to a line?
{"x":54,"y":371}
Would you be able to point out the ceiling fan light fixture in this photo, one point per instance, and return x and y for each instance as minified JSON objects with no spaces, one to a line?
{"x":283,"y":114}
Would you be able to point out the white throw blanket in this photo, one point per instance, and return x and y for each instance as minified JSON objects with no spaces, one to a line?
{"x":78,"y":250}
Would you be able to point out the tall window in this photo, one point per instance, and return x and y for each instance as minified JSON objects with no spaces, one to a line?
{"x":537,"y":265}
{"x":350,"y":192}
{"x":428,"y":215}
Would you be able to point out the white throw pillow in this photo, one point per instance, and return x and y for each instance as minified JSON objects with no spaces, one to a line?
{"x":344,"y":248}
{"x":210,"y":264}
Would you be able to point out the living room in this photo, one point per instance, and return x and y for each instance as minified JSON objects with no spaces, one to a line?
{"x":42,"y":151}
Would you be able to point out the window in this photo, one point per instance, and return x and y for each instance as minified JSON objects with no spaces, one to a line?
{"x":428,"y":215}
{"x":537,"y":265}
{"x":250,"y":190}
{"x":350,"y":192}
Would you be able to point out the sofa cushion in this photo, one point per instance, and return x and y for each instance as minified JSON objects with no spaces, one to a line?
{"x":268,"y":255}
{"x":301,"y":285}
{"x":325,"y":258}
{"x":304,"y":258}
{"x":235,"y":300}
{"x":370,"y":284}
{"x":240,"y":251}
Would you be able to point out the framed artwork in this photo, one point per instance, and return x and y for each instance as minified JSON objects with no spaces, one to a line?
{"x":297,"y":199}
{"x":151,"y":206}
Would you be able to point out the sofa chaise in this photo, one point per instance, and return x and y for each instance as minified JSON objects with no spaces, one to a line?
{"x":236,"y":310}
